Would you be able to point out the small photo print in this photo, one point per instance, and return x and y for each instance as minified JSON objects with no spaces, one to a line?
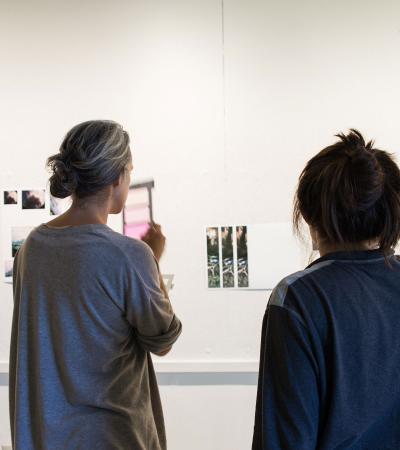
{"x":59,"y":205}
{"x":8,"y":268}
{"x":242,"y":257}
{"x":213,"y":264}
{"x":18,"y":236}
{"x":10,"y":197}
{"x":228,"y":276}
{"x":33,"y":199}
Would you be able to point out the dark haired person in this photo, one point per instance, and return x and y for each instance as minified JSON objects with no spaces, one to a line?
{"x":89,"y":306}
{"x":330,"y":350}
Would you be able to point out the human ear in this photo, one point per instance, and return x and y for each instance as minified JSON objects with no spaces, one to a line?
{"x":314,"y":239}
{"x":119,"y":180}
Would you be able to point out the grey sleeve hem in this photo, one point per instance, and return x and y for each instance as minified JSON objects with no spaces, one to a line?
{"x":156,"y":344}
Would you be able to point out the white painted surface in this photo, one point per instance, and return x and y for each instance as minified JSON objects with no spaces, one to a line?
{"x":269,"y":246}
{"x":5,"y":437}
{"x":224,"y":137}
{"x":222,"y":418}
{"x":157,"y":68}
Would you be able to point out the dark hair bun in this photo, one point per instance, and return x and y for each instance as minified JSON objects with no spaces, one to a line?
{"x":64,"y":179}
{"x":350,"y":192}
{"x":362,"y":182}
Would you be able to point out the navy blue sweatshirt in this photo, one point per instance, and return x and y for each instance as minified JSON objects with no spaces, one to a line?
{"x":330,"y":357}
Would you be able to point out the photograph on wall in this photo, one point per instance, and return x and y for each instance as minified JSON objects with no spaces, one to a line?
{"x":138,"y":210}
{"x":18,"y":236}
{"x":213,"y":263}
{"x":59,"y":205}
{"x":228,"y":269}
{"x":34,"y":199}
{"x":251,"y":256}
{"x":242,"y":256}
{"x":8,"y":269}
{"x":10,"y":197}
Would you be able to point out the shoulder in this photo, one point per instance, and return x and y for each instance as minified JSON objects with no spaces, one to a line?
{"x":299,"y":284}
{"x":139,"y":260}
{"x":131,"y":257}
{"x":133,"y":249}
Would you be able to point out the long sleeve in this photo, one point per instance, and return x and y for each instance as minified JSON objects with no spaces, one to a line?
{"x":147,"y":309}
{"x":287,"y":411}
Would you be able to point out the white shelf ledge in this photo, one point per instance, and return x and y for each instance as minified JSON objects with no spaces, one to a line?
{"x":191,"y":366}
{"x":199,"y":366}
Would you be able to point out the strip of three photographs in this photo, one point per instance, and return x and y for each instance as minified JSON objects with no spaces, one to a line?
{"x":227,"y":257}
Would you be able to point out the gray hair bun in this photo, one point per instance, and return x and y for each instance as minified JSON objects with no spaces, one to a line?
{"x":64,"y":180}
{"x":92,"y":155}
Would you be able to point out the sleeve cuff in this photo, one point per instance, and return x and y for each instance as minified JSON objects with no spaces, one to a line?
{"x":156,"y":344}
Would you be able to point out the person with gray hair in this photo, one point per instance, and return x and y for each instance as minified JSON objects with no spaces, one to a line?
{"x":89,"y":307}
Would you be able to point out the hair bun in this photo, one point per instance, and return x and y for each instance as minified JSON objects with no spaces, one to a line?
{"x":367,"y":181}
{"x":64,"y":179}
{"x":92,"y":156}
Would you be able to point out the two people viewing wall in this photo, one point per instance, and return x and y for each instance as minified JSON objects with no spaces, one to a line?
{"x":81,"y":374}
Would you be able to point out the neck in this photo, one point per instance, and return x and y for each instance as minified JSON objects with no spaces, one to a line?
{"x":325,"y":248}
{"x":83,"y":213}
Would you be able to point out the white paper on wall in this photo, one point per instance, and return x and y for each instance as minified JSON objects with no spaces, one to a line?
{"x":252,"y":257}
{"x":273,"y":254}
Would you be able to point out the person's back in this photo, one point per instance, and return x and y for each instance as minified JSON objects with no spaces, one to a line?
{"x":88,"y":309}
{"x":330,"y":358}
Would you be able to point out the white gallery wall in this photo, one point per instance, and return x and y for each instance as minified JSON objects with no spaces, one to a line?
{"x":225,"y":101}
